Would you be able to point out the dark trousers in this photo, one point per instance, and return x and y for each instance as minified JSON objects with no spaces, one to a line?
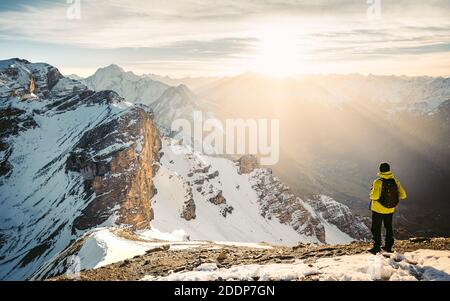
{"x":377,"y":220}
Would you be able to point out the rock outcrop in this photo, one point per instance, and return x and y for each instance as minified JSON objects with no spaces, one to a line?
{"x":116,"y":161}
{"x":340,"y":216}
{"x":307,"y":217}
{"x":277,"y":201}
{"x":247,"y":164}
{"x":219,"y":200}
{"x":53,"y":76}
{"x":31,"y":86}
{"x":188,"y":210}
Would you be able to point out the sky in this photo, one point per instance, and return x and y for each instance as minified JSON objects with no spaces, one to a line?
{"x":227,"y":37}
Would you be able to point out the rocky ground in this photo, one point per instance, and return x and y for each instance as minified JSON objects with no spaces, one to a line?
{"x":162,"y":262}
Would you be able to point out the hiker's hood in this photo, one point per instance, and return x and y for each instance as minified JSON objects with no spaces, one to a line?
{"x":386,"y":175}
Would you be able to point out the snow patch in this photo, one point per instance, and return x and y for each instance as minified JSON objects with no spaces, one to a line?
{"x":431,"y":265}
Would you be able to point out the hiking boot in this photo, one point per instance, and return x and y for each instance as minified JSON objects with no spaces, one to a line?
{"x":374,"y":250}
{"x":387,"y":249}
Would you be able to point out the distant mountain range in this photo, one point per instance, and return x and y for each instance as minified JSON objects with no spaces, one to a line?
{"x":336,"y":129}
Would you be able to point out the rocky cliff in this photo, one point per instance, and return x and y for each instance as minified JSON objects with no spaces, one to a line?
{"x":116,"y":162}
{"x":317,"y":217}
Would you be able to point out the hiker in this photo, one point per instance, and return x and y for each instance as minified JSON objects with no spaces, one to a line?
{"x":385,"y":194}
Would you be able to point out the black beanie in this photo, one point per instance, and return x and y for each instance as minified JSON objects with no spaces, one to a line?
{"x":384,"y":167}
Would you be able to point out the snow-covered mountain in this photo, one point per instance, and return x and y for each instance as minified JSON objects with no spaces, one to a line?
{"x":201,"y":200}
{"x":179,"y":102}
{"x":219,"y":199}
{"x":167,"y":102}
{"x":193,"y":83}
{"x":132,"y":87}
{"x":74,"y":161}
{"x":75,"y":77}
{"x":393,"y":93}
{"x":71,"y":159}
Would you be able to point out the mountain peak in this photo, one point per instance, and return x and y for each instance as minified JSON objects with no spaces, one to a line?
{"x":8,"y":62}
{"x":183,"y":88}
{"x":113,"y":68}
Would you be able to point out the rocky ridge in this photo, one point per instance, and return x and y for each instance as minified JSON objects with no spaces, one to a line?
{"x":306,"y":216}
{"x":118,"y":169}
{"x":161,"y":261}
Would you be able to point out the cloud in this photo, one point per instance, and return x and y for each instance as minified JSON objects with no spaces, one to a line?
{"x":208,"y":30}
{"x":440,"y":47}
{"x":132,"y":23}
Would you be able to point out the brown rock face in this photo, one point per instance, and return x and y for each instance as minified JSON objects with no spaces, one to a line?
{"x":31,"y":85}
{"x":53,"y":77}
{"x":218,"y":199}
{"x":247,"y":164}
{"x":116,"y":161}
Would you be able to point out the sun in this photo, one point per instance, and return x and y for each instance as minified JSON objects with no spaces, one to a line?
{"x":279,"y":52}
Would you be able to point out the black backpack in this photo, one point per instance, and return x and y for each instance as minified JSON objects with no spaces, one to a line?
{"x":389,"y":193}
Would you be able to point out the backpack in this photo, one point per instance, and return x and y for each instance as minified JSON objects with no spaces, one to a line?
{"x":389,"y":193}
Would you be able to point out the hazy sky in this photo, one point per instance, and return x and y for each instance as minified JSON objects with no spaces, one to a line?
{"x":210,"y":37}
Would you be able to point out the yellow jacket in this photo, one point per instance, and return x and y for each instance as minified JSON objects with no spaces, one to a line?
{"x":375,"y":193}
